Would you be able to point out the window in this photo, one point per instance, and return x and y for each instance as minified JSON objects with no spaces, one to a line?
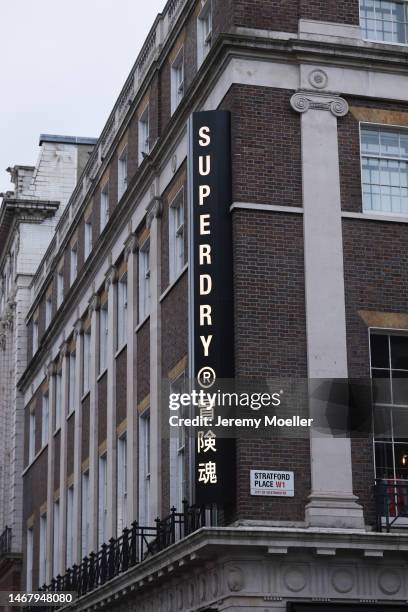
{"x":60,"y":287}
{"x":35,"y":336}
{"x":86,"y":361}
{"x":74,"y":264}
{"x":384,"y":159}
{"x":122,"y":173}
{"x":122,"y":312}
{"x":177,"y":454}
{"x":144,"y":135}
{"x":104,"y":206}
{"x":103,"y":502}
{"x":58,"y":399}
{"x":103,"y":336}
{"x":45,"y":420}
{"x":88,"y":239}
{"x":177,"y":80}
{"x":85,"y":525}
{"x":144,"y":468}
{"x":204,"y":32}
{"x":72,"y":383}
{"x":42,"y":575}
{"x":122,"y":516}
{"x":31,"y":447}
{"x":30,"y":559}
{"x":389,"y":373}
{"x":48,"y":311}
{"x":70,"y":527}
{"x":384,"y":20}
{"x":144,"y":281}
{"x":176,"y":236}
{"x":56,"y":546}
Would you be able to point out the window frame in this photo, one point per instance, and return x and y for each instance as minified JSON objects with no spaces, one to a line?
{"x":85,"y":514}
{"x":56,"y":538}
{"x":380,"y":127}
{"x":122,"y":172}
{"x":204,"y":41}
{"x":88,"y":238}
{"x":103,"y":334}
{"x":144,"y":466}
{"x":58,"y":399}
{"x":144,"y":286}
{"x":60,"y":287}
{"x":43,"y":561}
{"x":102,"y":499}
{"x":177,"y":89}
{"x":104,"y":207}
{"x":122,"y":312}
{"x":48,"y":311}
{"x":30,"y":558}
{"x":144,"y":134}
{"x":86,"y":359}
{"x":380,"y":41}
{"x":70,"y":526}
{"x":72,"y":382}
{"x":176,"y":236}
{"x":32,"y":436}
{"x":122,"y":484}
{"x":45,"y":420}
{"x":73,"y":270}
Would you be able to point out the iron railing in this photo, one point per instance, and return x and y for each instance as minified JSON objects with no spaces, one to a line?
{"x":392,"y":504}
{"x":5,"y":542}
{"x":134,"y":546}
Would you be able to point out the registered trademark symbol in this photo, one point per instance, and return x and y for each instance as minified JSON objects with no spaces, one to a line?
{"x":206,"y":377}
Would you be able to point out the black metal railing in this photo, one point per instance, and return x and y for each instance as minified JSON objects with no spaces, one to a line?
{"x":392,"y":504}
{"x":134,"y":546}
{"x":5,"y":542}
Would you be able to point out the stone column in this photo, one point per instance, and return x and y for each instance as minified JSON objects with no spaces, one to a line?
{"x":77,"y":450}
{"x":110,"y":287}
{"x":131,"y":401}
{"x":332,"y":503}
{"x":94,"y":304}
{"x":63,"y":457}
{"x":50,"y":470}
{"x":154,"y":212}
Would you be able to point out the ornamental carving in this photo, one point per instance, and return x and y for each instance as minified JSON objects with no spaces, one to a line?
{"x":154,"y":210}
{"x":302,"y":101}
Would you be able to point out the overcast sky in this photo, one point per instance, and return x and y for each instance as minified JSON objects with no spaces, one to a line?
{"x":62,"y":65}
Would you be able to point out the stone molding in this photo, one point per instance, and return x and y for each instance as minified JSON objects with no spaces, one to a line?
{"x":154,"y":210}
{"x":304,"y":100}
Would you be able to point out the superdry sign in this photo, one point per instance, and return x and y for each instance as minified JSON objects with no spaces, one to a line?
{"x":211,"y":290}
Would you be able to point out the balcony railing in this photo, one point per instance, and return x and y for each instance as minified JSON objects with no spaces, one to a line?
{"x":132,"y":548}
{"x":392,"y":504}
{"x":5,"y":542}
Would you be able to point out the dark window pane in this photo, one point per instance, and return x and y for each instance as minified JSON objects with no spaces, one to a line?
{"x":399,"y":352}
{"x":400,"y":424}
{"x":379,"y":351}
{"x":401,"y":460}
{"x":384,"y":461}
{"x":382,"y":423}
{"x":400,"y":387}
{"x":381,"y":387}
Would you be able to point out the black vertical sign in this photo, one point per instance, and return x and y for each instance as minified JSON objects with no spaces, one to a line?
{"x":212,"y":290}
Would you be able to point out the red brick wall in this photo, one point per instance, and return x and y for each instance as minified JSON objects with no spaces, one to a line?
{"x":338,"y":11}
{"x":270,"y":341}
{"x":143,"y":361}
{"x":266,"y":163}
{"x":279,"y":15}
{"x":174,"y":314}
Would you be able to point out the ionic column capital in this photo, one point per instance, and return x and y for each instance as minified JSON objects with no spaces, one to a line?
{"x":304,"y":100}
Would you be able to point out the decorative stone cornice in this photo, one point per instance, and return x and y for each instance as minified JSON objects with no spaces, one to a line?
{"x":51,"y":369}
{"x":154,"y":210}
{"x":111,"y":277}
{"x":78,"y":328}
{"x":130,"y":246}
{"x":94,"y":304}
{"x":64,"y":349}
{"x":302,"y":101}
